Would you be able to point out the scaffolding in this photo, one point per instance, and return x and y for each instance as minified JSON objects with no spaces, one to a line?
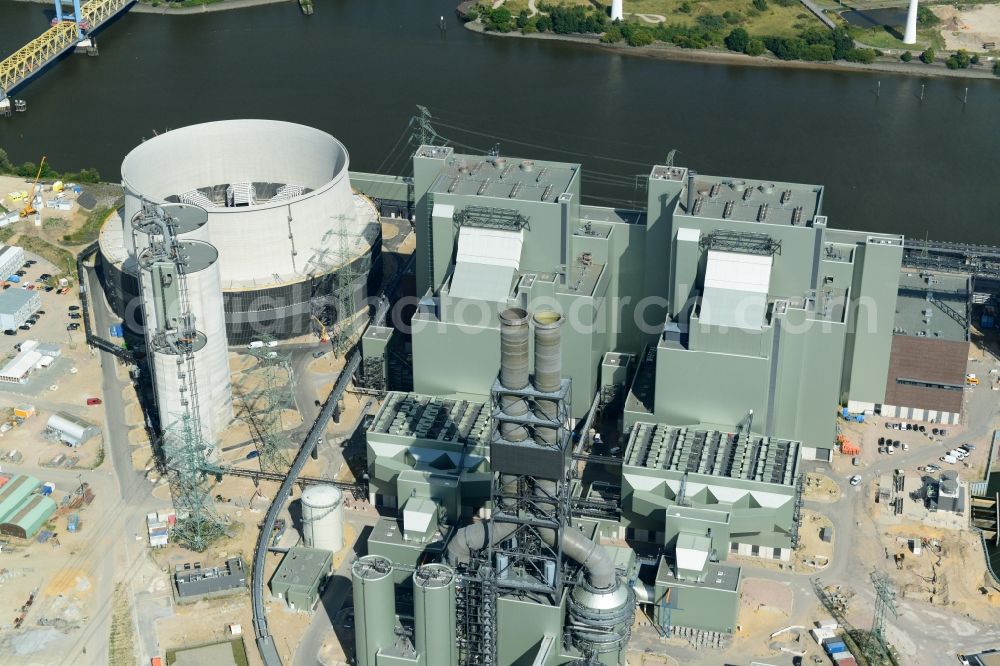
{"x":352,"y":267}
{"x":747,"y":242}
{"x":476,"y":616}
{"x":264,"y":404}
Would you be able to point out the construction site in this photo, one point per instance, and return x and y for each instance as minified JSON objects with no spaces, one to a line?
{"x":462,"y":417}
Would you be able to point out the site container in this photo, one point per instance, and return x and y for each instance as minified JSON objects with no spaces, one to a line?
{"x":14,"y":278}
{"x":849,"y":661}
{"x":47,"y":488}
{"x":116,"y":330}
{"x":840,"y":657}
{"x":834,"y":648}
{"x":73,"y":522}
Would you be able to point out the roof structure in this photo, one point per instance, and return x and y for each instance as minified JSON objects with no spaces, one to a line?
{"x":713,"y":453}
{"x":502,"y":177}
{"x":933,"y":306}
{"x":926,"y":373}
{"x":302,"y":567}
{"x":735,"y":290}
{"x":12,"y":300}
{"x":28,"y":517}
{"x":755,"y":201}
{"x":486,"y":263}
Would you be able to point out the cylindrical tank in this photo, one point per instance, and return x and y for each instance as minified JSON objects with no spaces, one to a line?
{"x":198,"y":262}
{"x":323,"y":517}
{"x":548,"y":369}
{"x":434,"y":614}
{"x":513,"y":369}
{"x":374,"y":607}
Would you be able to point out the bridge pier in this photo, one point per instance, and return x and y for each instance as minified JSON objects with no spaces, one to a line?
{"x":76,"y":16}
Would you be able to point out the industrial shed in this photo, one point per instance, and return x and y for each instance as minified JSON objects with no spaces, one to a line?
{"x":71,"y":430}
{"x":28,"y":517}
{"x":22,"y":512}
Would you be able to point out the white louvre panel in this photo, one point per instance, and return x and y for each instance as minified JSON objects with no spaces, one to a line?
{"x":486,"y":263}
{"x":735,"y":292}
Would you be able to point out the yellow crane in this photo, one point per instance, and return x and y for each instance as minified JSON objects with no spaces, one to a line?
{"x":29,"y":209}
{"x":325,"y":337}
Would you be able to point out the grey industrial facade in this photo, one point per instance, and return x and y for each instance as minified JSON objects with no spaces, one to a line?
{"x":720,"y":330}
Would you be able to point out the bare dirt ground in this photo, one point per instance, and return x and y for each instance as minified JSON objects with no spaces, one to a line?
{"x":820,"y":488}
{"x":765,"y":607}
{"x":969,"y":28}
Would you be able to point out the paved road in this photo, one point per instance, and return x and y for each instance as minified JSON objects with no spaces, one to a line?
{"x":334,"y":598}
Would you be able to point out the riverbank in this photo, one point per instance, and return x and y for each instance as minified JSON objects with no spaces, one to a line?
{"x":721,"y":57}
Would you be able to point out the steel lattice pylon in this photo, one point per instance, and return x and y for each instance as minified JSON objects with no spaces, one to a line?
{"x":262,"y":407}
{"x":876,"y":649}
{"x":187,"y":471}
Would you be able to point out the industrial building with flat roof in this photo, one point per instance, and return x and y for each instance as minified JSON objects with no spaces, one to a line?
{"x":16,"y":305}
{"x":193,"y":583}
{"x":301,"y":577}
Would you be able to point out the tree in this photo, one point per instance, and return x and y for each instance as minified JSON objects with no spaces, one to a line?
{"x":612,"y":35}
{"x":760,"y":5}
{"x":639,"y":37}
{"x":842,"y":43}
{"x":996,"y":68}
{"x":522,"y":18}
{"x":974,"y":59}
{"x":738,"y":40}
{"x":818,"y":52}
{"x":544,"y":23}
{"x":906,"y":57}
{"x":755,"y":47}
{"x":927,"y":56}
{"x":866,"y":56}
{"x":5,"y":163}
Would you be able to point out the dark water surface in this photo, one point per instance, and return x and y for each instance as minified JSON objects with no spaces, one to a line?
{"x":357,"y":68}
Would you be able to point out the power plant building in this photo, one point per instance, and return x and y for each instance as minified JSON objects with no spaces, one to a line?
{"x":725,"y":324}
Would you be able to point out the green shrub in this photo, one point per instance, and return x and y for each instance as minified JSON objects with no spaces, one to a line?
{"x":755,"y":47}
{"x":738,"y":40}
{"x":760,"y":5}
{"x":906,"y":57}
{"x":927,"y":56}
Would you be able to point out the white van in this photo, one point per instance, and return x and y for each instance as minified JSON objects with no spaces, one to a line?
{"x":950,"y":459}
{"x":256,"y":344}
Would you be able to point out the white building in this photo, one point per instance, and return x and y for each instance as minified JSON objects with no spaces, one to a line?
{"x":11,"y":259}
{"x":16,"y":305}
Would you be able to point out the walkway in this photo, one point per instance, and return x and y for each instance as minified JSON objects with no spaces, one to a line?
{"x":827,"y":21}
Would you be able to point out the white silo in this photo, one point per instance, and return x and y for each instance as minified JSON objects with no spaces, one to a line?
{"x":617,"y":12}
{"x":910,"y":34}
{"x":185,"y":324}
{"x":323,"y":517}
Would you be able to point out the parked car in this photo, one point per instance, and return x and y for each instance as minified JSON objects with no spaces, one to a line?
{"x":10,"y":331}
{"x":318,"y":353}
{"x":94,"y":401}
{"x":855,"y":480}
{"x":72,"y":327}
{"x":252,"y":455}
{"x":75,"y":315}
{"x":74,"y":307}
{"x":906,"y":447}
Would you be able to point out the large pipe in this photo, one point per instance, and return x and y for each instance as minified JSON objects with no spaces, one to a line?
{"x":548,"y":371}
{"x":513,"y":370}
{"x":596,"y":560}
{"x":472,"y":538}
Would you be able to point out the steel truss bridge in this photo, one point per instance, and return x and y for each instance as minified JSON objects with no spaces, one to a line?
{"x":66,"y":32}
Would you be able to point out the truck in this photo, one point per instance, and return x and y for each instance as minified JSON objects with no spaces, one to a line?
{"x":73,"y":522}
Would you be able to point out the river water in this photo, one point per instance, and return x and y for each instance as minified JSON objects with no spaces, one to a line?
{"x":356,"y":68}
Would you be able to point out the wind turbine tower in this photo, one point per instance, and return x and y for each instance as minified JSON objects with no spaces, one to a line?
{"x":617,"y":14}
{"x":910,"y":35}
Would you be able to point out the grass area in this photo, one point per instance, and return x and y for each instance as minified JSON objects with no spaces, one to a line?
{"x":776,"y":20}
{"x":63,"y":260}
{"x":237,"y":646}
{"x":121,"y":642}
{"x":886,"y":37}
{"x":90,"y":229}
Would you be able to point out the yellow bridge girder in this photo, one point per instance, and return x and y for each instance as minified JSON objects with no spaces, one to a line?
{"x":97,"y":12}
{"x":36,"y":54}
{"x":39,"y":51}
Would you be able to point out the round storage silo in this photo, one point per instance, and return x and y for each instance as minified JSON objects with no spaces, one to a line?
{"x":434,"y":614}
{"x":178,"y":385}
{"x":374,"y":607}
{"x":323,"y":517}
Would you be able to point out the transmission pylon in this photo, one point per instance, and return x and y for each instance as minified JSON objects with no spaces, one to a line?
{"x":265,"y":403}
{"x":876,"y":649}
{"x":352,"y":267}
{"x":184,"y":450}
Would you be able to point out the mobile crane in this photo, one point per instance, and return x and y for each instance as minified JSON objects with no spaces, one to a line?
{"x":29,"y":208}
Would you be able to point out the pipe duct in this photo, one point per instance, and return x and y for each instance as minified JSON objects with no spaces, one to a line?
{"x":692,"y":174}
